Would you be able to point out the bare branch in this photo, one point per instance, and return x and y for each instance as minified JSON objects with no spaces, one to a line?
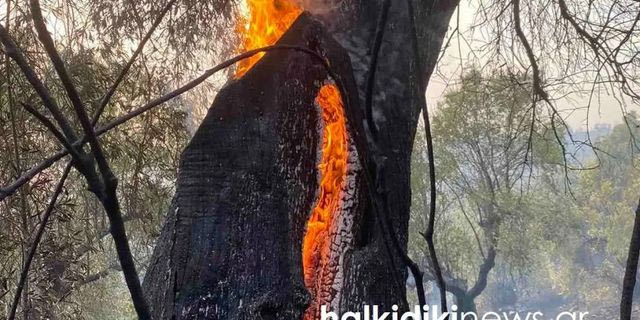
{"x":539,"y":91}
{"x":537,"y":79}
{"x":45,"y":38}
{"x":48,"y":162}
{"x":13,"y":51}
{"x":125,"y":70}
{"x":36,"y":241}
{"x":373,"y":64}
{"x":428,"y":234}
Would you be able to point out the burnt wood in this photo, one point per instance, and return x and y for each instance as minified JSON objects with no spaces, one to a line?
{"x":231,"y":247}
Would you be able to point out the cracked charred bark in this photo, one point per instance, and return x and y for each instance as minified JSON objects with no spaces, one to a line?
{"x":231,"y":245}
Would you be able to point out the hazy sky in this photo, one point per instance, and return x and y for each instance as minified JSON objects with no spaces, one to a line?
{"x":608,"y":110}
{"x":448,"y":70}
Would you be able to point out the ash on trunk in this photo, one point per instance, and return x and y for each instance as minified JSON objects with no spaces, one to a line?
{"x":231,"y":247}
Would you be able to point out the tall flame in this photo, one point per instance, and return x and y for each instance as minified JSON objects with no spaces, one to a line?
{"x":333,"y":168}
{"x":267,"y":21}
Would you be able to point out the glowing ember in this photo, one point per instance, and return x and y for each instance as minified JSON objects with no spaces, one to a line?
{"x":266,"y":23}
{"x":333,"y":169}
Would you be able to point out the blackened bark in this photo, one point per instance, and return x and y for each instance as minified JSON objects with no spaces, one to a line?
{"x":231,"y":246}
{"x":631,"y":270}
{"x":371,"y":276}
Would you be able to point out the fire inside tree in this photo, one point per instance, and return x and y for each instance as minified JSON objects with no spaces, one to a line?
{"x":235,"y":239}
{"x":288,"y":104}
{"x":267,"y":21}
{"x":272,"y":216}
{"x":316,"y":249}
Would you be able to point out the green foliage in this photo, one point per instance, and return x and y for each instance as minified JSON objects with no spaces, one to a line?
{"x":554,"y":247}
{"x":606,"y":200}
{"x":492,"y":157}
{"x":75,"y":274}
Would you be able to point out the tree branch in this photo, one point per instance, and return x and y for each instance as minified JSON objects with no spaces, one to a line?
{"x":373,"y":63}
{"x":52,"y":128}
{"x":125,"y":70}
{"x":15,"y":53}
{"x":48,"y":162}
{"x":483,"y":274}
{"x":45,"y":38}
{"x":428,"y":235}
{"x":538,"y":87}
{"x":537,"y":79}
{"x":36,"y":242}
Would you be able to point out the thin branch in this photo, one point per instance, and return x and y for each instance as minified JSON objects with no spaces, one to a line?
{"x":629,"y":282}
{"x":537,"y":79}
{"x":375,"y":186}
{"x":15,"y":53}
{"x":29,"y":174}
{"x":473,"y":229}
{"x":373,"y":64}
{"x":45,"y":38}
{"x":125,"y":70}
{"x":48,"y":162}
{"x":52,"y":128}
{"x":538,"y":89}
{"x":36,"y":241}
{"x":428,"y":235}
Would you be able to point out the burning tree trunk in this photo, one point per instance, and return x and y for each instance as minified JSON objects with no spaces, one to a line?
{"x":233,"y":242}
{"x":248,"y":235}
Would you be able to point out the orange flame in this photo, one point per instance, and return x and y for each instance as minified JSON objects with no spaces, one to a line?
{"x":268,"y":20}
{"x":333,"y":169}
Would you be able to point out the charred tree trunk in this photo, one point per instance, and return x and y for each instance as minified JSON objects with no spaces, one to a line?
{"x":232,"y":243}
{"x":631,"y":270}
{"x":376,"y":276}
